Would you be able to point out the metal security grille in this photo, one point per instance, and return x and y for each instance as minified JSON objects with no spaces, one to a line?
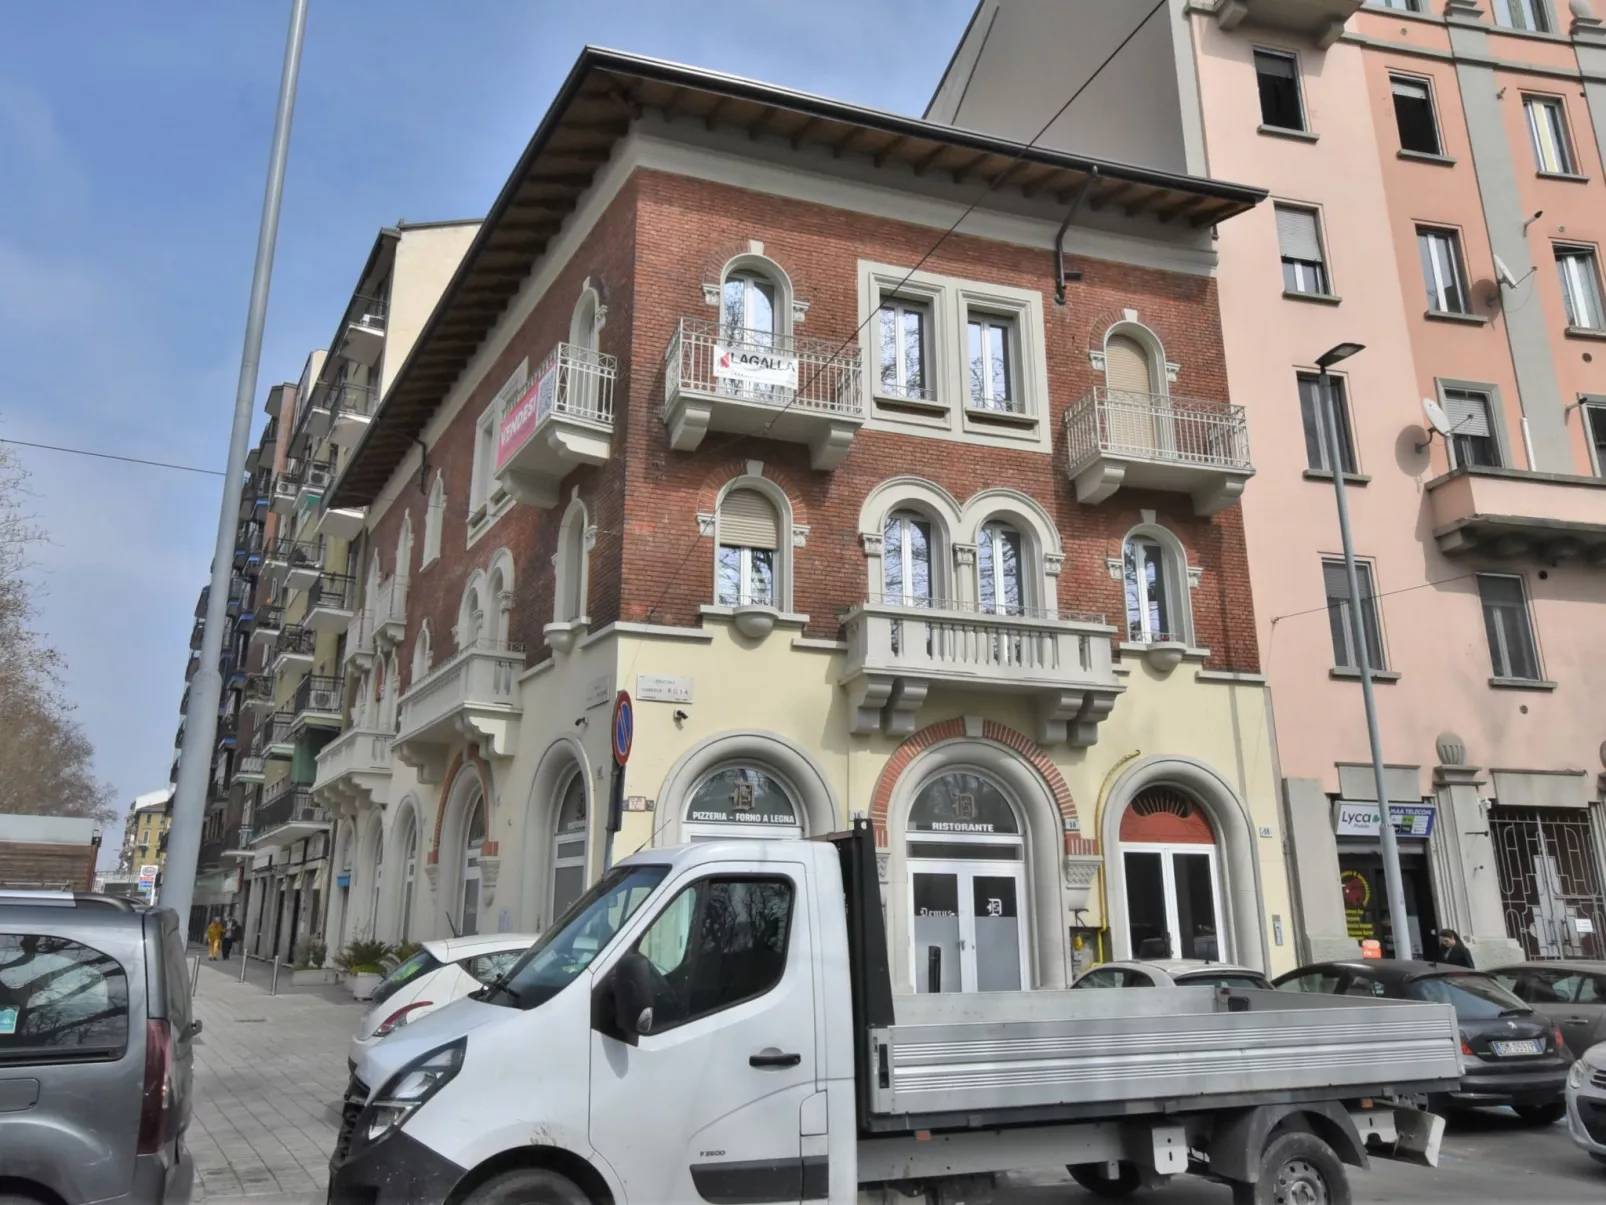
{"x":1550,"y":884}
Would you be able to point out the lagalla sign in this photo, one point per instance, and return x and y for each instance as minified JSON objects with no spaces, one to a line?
{"x":755,"y":366}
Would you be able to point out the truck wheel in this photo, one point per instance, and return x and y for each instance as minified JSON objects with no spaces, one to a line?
{"x":528,"y":1186}
{"x":1541,"y":1115}
{"x":1296,"y":1169}
{"x":1092,"y":1177}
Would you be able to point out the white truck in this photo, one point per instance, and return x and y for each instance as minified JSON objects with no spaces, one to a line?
{"x":715,"y":1023}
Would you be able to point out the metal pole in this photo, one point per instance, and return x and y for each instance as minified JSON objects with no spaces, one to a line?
{"x":1398,"y":917}
{"x":245,"y":961}
{"x":206,"y":688}
{"x":195,"y":974}
{"x":273,"y":986}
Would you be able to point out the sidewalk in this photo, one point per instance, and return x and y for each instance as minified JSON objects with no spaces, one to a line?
{"x":269,"y":1074}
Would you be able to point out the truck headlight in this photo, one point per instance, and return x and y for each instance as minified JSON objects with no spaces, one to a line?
{"x":408,"y":1089}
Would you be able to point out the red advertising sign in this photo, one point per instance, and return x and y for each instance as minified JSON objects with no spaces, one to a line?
{"x":521,"y":421}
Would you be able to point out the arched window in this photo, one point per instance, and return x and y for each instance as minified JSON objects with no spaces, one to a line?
{"x":468,"y":913}
{"x":471,"y":617}
{"x":906,"y":550}
{"x":569,"y":846}
{"x":967,"y":884}
{"x":742,"y":801}
{"x":750,"y":303}
{"x":749,"y":536}
{"x":421,"y":655}
{"x":404,"y":548}
{"x":1156,"y":588}
{"x":583,"y":322}
{"x":1173,"y":889}
{"x":409,"y":862}
{"x":434,"y":513}
{"x":1000,"y":578}
{"x":499,"y":600}
{"x":569,"y":597}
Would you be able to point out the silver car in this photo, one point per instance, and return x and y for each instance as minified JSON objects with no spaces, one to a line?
{"x":1586,"y":1102}
{"x":96,"y":1044}
{"x":1174,"y":972}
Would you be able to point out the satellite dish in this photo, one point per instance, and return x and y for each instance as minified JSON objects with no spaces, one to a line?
{"x":1437,"y":418}
{"x":1503,"y":273}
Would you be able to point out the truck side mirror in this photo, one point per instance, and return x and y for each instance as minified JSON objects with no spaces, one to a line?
{"x":632,"y":997}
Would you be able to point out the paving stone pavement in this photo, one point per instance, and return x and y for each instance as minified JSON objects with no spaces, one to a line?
{"x":269,"y":1073}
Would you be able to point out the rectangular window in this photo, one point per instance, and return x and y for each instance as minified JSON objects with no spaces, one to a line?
{"x":1595,"y":428}
{"x":484,"y":491}
{"x":992,"y":363}
{"x":1299,"y":239}
{"x":905,"y":350}
{"x":1580,"y":287}
{"x":1413,"y":115}
{"x":1442,"y":271}
{"x":1313,"y":411}
{"x":1522,"y":14}
{"x":63,"y":1002}
{"x":1277,"y":75}
{"x":1472,"y":440}
{"x":1347,"y":632}
{"x":1505,"y":619}
{"x":1547,"y":126}
{"x":1403,"y":6}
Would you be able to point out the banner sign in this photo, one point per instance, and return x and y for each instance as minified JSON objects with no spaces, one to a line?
{"x":1365,"y":820}
{"x":755,"y":366}
{"x":521,"y":421}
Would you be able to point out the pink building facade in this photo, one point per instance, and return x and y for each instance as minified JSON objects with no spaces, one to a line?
{"x":1436,"y":172}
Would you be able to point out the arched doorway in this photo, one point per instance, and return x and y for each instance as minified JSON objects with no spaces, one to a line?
{"x":468,"y":912}
{"x":1174,"y":905}
{"x":967,"y":886}
{"x":569,"y":846}
{"x":409,"y":874}
{"x":742,"y":801}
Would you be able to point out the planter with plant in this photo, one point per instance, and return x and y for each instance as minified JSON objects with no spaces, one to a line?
{"x":363,"y":961}
{"x":309,"y":968}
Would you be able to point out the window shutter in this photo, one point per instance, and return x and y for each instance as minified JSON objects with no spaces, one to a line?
{"x":1410,"y":88}
{"x":1336,"y":581}
{"x":1297,"y":236}
{"x":1126,"y":365}
{"x":1469,"y":412}
{"x":747,"y":519}
{"x":1280,"y":66}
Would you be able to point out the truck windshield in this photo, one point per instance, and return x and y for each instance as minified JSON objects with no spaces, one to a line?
{"x":575,"y":938}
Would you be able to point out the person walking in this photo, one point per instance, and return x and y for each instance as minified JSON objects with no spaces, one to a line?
{"x":214,"y":939}
{"x":1452,"y":951}
{"x":231,"y":934}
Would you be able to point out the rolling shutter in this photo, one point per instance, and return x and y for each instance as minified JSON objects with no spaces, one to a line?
{"x":1469,"y":412}
{"x":748,"y":520}
{"x":1408,"y":88}
{"x":1126,"y":365}
{"x":1297,"y":235}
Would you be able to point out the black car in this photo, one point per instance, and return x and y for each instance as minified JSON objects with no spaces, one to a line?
{"x":1512,"y":1056}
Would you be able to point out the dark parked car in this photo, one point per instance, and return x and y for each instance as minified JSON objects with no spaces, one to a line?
{"x":95,"y":1051}
{"x":1512,"y":1055}
{"x":1570,"y":994}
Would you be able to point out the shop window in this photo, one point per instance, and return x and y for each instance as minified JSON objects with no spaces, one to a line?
{"x":569,"y":846}
{"x":1173,"y":896}
{"x":742,"y":801}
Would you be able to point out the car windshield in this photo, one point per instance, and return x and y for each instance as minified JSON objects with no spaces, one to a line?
{"x":421,"y":963}
{"x":575,"y":938}
{"x":1474,"y":997}
{"x":1224,"y":979}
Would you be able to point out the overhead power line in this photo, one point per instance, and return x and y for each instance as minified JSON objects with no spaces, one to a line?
{"x":155,"y":464}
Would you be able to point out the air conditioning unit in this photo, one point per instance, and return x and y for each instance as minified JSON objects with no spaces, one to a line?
{"x":323,"y":699}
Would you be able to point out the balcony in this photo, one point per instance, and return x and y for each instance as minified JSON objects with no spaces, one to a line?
{"x":564,"y":419}
{"x":290,"y":815}
{"x":296,"y":563}
{"x":1060,"y":660}
{"x":1116,"y":437}
{"x":343,"y":523}
{"x":197,"y":634}
{"x":354,"y":768}
{"x":283,"y":498}
{"x":274,"y":739}
{"x":1512,"y":515}
{"x":1319,"y":20}
{"x":313,"y":419}
{"x":256,"y":696}
{"x":193,"y":665}
{"x":251,"y":768}
{"x":330,"y":602}
{"x":353,"y":407}
{"x":364,"y":337}
{"x":745,"y":382}
{"x":269,"y":623}
{"x":294,"y":650}
{"x":473,"y":696}
{"x":227,"y":732}
{"x":317,"y":702}
{"x":316,"y":478}
{"x":178,"y":740}
{"x":390,"y":610}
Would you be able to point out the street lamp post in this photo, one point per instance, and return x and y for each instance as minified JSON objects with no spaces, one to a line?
{"x":1398,"y":919}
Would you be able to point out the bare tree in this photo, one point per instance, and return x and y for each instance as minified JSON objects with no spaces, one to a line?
{"x":45,"y":758}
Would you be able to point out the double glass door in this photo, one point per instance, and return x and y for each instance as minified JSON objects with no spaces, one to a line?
{"x":1173,"y":902}
{"x":967,"y":926}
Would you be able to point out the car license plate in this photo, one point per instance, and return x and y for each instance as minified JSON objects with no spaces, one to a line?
{"x":1507,"y":1049}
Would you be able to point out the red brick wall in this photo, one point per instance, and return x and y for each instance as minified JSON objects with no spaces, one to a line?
{"x":42,"y":864}
{"x":650,"y":254}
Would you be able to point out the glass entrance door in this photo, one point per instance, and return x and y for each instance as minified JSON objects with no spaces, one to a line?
{"x":966,"y":926}
{"x":1173,"y":902}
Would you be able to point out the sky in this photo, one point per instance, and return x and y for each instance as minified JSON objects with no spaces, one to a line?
{"x":133,"y":155}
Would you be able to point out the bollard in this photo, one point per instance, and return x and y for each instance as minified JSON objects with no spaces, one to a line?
{"x":273,"y":987}
{"x":195,"y":974}
{"x":245,"y":961}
